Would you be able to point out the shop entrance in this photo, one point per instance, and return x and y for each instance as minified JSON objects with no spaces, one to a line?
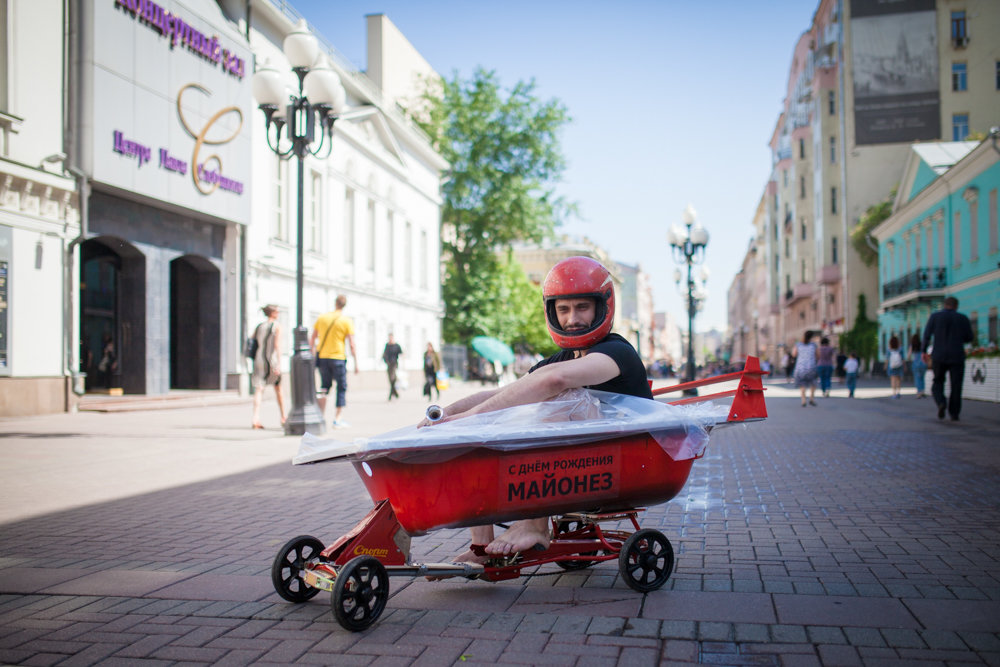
{"x":195,"y":336}
{"x":113,"y":316}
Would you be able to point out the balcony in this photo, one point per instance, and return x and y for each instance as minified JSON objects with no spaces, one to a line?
{"x":829,"y":274}
{"x":922,"y":279}
{"x":801,"y":291}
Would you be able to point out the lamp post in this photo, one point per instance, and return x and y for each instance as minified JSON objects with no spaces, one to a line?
{"x":319,"y":102}
{"x":688,"y":246}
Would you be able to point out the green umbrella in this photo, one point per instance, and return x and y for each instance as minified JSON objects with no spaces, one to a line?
{"x":493,"y":350}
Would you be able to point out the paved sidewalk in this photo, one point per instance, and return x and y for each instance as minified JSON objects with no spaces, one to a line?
{"x":857,"y":532}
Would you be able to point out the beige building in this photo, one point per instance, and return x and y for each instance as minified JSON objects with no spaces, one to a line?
{"x":862,"y":88}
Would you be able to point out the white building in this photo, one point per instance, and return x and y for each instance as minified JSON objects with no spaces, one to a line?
{"x":371,"y":209}
{"x":185,"y":221}
{"x":39,"y":212}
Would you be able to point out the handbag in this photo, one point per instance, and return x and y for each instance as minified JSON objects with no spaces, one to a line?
{"x":251,"y":345}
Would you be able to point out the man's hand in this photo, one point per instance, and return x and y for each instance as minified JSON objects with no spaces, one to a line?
{"x":926,"y":357}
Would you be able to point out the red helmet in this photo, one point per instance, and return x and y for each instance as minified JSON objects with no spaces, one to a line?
{"x":577,"y":278}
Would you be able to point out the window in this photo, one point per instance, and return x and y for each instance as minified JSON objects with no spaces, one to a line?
{"x":4,"y":64}
{"x":833,"y":200}
{"x":991,"y":325}
{"x":423,"y":259}
{"x":390,"y":246}
{"x":349,"y":227}
{"x":802,"y":187}
{"x":994,"y":231}
{"x":833,"y":250}
{"x":831,"y":101}
{"x":408,"y":254}
{"x":803,"y":230}
{"x":833,"y":150}
{"x":959,"y":80}
{"x":957,"y":231}
{"x":959,"y":126}
{"x":998,"y":74}
{"x":787,"y":248}
{"x":802,"y":148}
{"x":959,"y":29}
{"x":371,"y":235}
{"x":973,"y":231}
{"x":784,"y":176}
{"x":280,"y":230}
{"x":803,"y":271}
{"x":314,"y":233}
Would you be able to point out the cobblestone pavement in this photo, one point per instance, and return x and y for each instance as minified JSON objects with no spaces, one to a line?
{"x":858,"y":532}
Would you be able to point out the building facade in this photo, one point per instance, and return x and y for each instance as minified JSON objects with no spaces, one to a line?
{"x":371,"y":208}
{"x":39,"y":212}
{"x":942,"y":239}
{"x":144,"y":220}
{"x":867,"y":79}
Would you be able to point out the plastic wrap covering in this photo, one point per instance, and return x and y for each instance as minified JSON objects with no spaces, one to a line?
{"x":573,"y":417}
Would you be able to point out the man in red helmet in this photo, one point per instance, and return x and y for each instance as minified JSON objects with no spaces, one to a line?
{"x":579,"y":302}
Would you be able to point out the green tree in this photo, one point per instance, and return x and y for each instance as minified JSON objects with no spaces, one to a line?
{"x":861,"y":234}
{"x":505,"y":159}
{"x":863,"y":336}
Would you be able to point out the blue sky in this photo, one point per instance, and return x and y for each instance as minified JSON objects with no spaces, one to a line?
{"x":672,"y":103}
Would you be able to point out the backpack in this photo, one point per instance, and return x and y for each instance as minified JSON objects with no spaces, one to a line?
{"x":895,"y":359}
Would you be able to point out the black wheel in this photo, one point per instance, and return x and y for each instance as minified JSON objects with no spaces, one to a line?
{"x":286,"y":572}
{"x":360,"y":594}
{"x":646,"y":560}
{"x":567,"y":526}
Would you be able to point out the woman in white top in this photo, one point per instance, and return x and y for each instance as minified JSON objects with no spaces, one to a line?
{"x":806,"y":355}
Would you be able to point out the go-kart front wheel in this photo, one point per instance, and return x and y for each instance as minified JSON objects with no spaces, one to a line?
{"x":286,"y":571}
{"x":360,"y":594}
{"x":646,"y":560}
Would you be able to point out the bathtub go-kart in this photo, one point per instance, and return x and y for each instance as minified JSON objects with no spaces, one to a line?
{"x":589,"y":475}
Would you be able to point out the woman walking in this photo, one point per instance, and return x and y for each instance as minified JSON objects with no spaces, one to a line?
{"x":894,"y":363}
{"x":917,"y":364}
{"x":805,"y":373}
{"x":824,"y":365}
{"x":267,"y":363}
{"x":432,"y":364}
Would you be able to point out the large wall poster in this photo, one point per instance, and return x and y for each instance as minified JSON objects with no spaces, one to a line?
{"x":895,"y":63}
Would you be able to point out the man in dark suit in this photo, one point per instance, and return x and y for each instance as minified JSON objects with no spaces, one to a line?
{"x":950,"y":330}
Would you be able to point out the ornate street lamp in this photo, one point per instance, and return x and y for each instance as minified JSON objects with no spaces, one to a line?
{"x":688,"y":246}
{"x":313,"y":111}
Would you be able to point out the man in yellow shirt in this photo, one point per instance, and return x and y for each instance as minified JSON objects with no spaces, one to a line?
{"x":335,"y":332}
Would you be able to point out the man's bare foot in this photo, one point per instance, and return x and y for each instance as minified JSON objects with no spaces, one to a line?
{"x":521,"y":536}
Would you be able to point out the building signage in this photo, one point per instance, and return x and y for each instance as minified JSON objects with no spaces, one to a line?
{"x":176,"y":29}
{"x":895,"y":62}
{"x":164,"y":124}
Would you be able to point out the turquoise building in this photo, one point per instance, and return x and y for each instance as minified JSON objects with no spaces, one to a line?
{"x":942,"y":240}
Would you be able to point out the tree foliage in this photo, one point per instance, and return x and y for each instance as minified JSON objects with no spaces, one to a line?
{"x":863,"y":336}
{"x":505,"y":159}
{"x":861,"y":234}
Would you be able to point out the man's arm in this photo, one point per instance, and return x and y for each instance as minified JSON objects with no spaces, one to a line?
{"x":546,"y":382}
{"x":350,"y":341}
{"x":312,"y":341}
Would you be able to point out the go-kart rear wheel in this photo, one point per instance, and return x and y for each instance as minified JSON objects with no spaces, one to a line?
{"x":564,"y":526}
{"x":646,"y":560}
{"x":286,"y":571}
{"x":360,"y":594}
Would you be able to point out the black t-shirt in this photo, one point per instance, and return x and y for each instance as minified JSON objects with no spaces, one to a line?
{"x":390,"y":355}
{"x":632,"y":378}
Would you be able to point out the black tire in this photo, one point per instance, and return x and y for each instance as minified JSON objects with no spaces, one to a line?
{"x":568,"y":526}
{"x":286,"y":571}
{"x":646,"y":560}
{"x":360,"y":594}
